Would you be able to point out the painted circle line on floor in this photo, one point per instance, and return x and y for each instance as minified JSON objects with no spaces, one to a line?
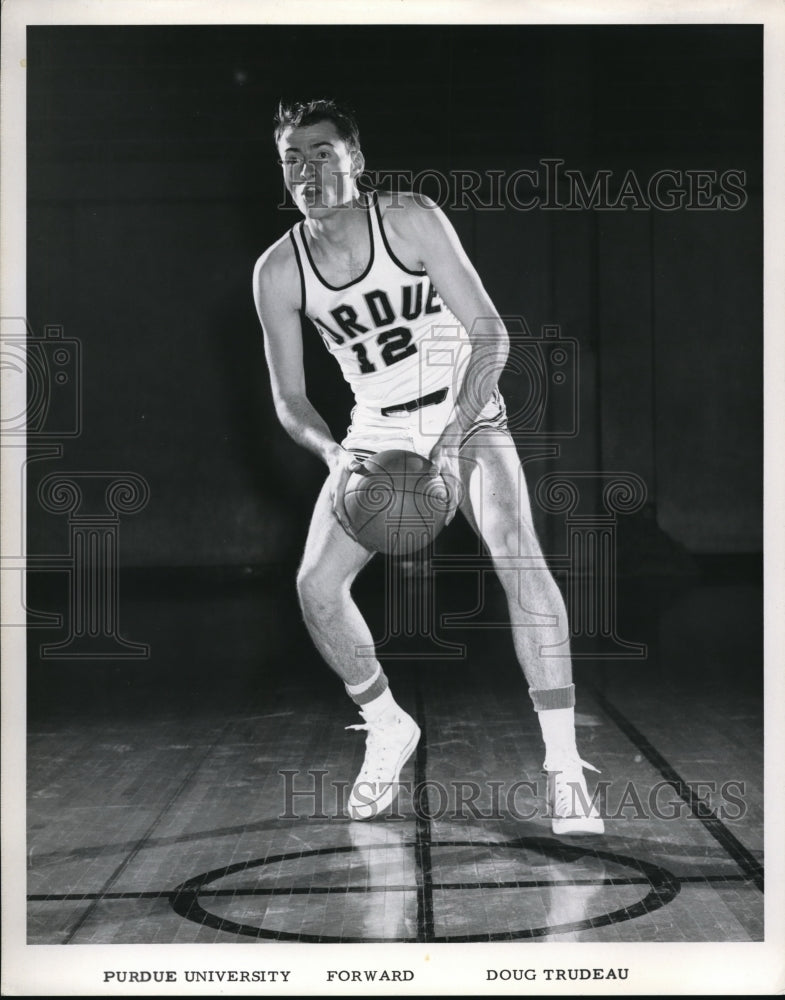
{"x":188,"y":898}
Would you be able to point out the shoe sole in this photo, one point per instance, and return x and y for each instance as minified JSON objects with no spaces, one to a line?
{"x":373,"y":809}
{"x":584,"y":826}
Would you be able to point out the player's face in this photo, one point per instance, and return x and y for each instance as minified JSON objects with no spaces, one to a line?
{"x":319,"y":169}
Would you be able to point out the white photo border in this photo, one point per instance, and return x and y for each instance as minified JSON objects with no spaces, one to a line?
{"x":667,"y":969}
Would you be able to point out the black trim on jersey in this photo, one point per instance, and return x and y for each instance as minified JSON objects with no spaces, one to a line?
{"x":339,"y":288}
{"x":300,"y":269}
{"x":391,"y":255}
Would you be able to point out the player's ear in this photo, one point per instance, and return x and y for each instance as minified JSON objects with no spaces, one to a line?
{"x":358,"y":162}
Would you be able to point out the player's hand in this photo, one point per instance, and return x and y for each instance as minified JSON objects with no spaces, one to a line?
{"x":445,"y":458}
{"x":342,"y":464}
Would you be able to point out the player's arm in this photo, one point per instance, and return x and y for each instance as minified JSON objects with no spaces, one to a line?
{"x":423,"y":225}
{"x":276,"y":290}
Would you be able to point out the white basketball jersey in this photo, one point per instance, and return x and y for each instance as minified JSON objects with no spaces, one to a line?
{"x":389,"y":330}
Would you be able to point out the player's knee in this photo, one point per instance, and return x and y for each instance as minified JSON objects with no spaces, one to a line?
{"x":319,"y":592}
{"x":519,"y":541}
{"x":309,"y":588}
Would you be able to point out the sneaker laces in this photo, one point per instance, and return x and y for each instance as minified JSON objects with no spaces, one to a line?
{"x":373,"y":726}
{"x":571,"y":765}
{"x":376,"y":749}
{"x":567,"y":799}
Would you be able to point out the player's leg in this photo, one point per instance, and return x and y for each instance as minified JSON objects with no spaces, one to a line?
{"x":496,"y":503}
{"x":330,"y":564}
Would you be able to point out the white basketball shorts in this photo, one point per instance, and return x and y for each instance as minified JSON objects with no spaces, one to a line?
{"x":416,"y":425}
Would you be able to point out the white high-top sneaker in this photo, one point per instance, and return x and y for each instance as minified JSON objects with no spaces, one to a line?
{"x":391,"y":740}
{"x":572,"y":811}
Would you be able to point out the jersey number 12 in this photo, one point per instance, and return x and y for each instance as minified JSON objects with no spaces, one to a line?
{"x":396,"y":344}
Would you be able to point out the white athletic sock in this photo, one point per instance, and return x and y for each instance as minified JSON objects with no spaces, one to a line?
{"x":373,"y":709}
{"x":368,"y":689}
{"x":558,"y":733}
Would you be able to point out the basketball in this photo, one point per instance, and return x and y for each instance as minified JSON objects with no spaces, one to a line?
{"x":398,"y":503}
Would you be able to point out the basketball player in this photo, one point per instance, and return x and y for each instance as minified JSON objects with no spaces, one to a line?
{"x":386,"y":282}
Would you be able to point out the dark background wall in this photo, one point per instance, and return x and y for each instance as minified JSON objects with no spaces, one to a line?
{"x":153,"y":187}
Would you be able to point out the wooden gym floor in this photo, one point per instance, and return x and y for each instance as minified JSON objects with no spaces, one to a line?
{"x":195,"y":796}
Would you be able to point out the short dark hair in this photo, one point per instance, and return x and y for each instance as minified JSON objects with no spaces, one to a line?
{"x":300,"y":113}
